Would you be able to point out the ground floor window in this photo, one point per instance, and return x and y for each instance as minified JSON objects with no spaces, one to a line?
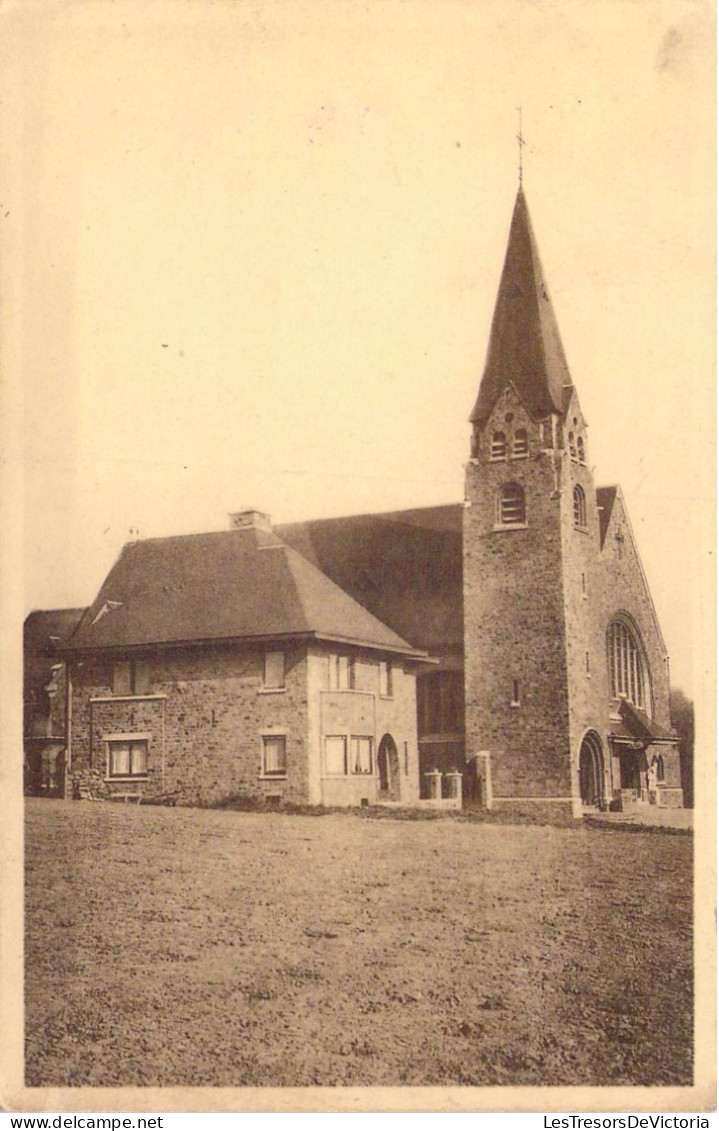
{"x":127,"y":758}
{"x":360,"y":751}
{"x":361,"y":761}
{"x":274,"y":755}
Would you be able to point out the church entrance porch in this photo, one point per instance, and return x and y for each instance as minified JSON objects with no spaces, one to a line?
{"x":591,"y":772}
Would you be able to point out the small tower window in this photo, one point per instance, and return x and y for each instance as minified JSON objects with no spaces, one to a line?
{"x":572,"y":445}
{"x":580,"y":507}
{"x":512,"y":509}
{"x":515,"y":693}
{"x":580,"y":448}
{"x":498,"y":449}
{"x":521,"y":443}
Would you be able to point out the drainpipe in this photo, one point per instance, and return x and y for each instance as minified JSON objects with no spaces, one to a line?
{"x":68,"y":724}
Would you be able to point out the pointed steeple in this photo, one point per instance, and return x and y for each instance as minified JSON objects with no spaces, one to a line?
{"x":524,"y":345}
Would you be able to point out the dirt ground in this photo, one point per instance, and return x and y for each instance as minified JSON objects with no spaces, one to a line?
{"x":177,"y":946}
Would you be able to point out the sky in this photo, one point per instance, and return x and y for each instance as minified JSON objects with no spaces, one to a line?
{"x":252,"y":251}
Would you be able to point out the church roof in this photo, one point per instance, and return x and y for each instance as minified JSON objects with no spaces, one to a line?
{"x":605,"y":505}
{"x":524,"y":345}
{"x":222,"y":586}
{"x":404,"y":566}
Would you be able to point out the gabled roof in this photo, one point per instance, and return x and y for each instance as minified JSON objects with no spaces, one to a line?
{"x":605,"y":504}
{"x":524,"y":344}
{"x":228,"y":585}
{"x":404,"y":566}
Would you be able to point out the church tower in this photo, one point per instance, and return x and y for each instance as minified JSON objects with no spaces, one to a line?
{"x":530,"y":549}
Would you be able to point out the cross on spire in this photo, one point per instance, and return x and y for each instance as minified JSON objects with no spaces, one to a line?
{"x":521,"y":142}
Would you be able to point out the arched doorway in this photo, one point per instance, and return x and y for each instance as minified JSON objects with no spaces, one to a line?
{"x":591,"y":770}
{"x":388,"y":769}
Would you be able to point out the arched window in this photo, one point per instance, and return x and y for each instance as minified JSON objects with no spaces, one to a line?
{"x":660,"y":768}
{"x":580,"y":448}
{"x":512,"y":509}
{"x":572,"y":445}
{"x":580,"y":507}
{"x":626,"y":664}
{"x":498,"y":449}
{"x":521,"y":443}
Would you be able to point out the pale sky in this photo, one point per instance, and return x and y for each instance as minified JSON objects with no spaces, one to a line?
{"x":256,"y":247}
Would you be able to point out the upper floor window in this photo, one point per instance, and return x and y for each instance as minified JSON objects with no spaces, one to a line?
{"x":385,"y":679}
{"x":273,"y":678}
{"x":520,"y":446}
{"x":130,"y":677}
{"x":626,"y":665}
{"x":498,"y":449}
{"x":580,"y":507}
{"x":440,"y":703}
{"x":580,"y":449}
{"x":342,"y":673}
{"x":512,"y":508}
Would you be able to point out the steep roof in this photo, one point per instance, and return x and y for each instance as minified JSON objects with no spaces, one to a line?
{"x":404,"y":566}
{"x":228,"y":585}
{"x":524,"y":345}
{"x":605,"y":505}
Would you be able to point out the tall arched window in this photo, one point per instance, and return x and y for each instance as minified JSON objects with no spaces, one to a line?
{"x":498,"y":449}
{"x":572,"y":445}
{"x":512,"y":509}
{"x":626,"y":664}
{"x":580,"y":507}
{"x":520,"y":446}
{"x":580,"y":448}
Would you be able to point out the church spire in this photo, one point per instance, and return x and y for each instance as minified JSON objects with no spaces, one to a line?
{"x":524,"y":345}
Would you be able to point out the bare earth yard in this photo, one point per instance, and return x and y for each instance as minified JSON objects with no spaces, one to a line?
{"x":177,"y":946}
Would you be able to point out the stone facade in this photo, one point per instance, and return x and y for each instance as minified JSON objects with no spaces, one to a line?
{"x":205,"y":714}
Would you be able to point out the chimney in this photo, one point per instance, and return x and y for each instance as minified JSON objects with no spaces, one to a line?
{"x":255,"y":520}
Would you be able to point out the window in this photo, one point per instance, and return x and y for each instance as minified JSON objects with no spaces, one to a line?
{"x":342,"y":674}
{"x":498,"y":450}
{"x":385,"y":679}
{"x":274,"y":673}
{"x":580,"y":448}
{"x":440,"y":703}
{"x":521,"y":443}
{"x":361,"y":750}
{"x":580,"y":507}
{"x":127,"y":758}
{"x":626,"y":668}
{"x":274,"y":755}
{"x":512,"y":510}
{"x":130,"y":677}
{"x":584,"y":585}
{"x":336,"y":754}
{"x":572,"y":446}
{"x":515,"y":693}
{"x":586,"y":663}
{"x":660,"y":768}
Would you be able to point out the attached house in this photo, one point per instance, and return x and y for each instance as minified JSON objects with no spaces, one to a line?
{"x":225,"y":664}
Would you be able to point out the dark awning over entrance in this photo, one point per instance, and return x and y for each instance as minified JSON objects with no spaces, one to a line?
{"x":640,"y":727}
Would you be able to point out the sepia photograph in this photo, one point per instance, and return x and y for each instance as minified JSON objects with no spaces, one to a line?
{"x":359,"y":525}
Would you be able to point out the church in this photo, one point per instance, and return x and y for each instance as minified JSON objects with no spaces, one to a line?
{"x":501,"y":651}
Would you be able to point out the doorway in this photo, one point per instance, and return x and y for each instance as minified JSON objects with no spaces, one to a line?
{"x":591,"y":771}
{"x":388,"y":769}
